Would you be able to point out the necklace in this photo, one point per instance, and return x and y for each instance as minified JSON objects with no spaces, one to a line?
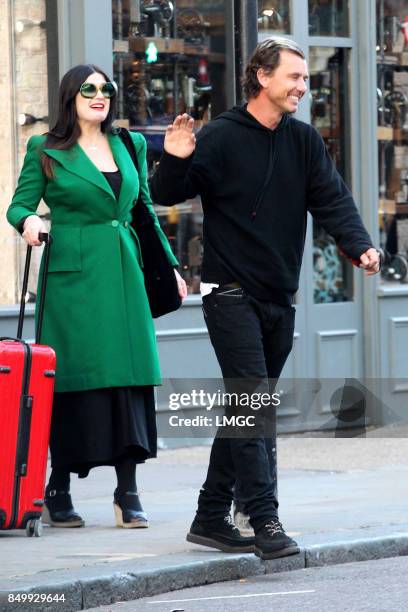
{"x":93,"y":146}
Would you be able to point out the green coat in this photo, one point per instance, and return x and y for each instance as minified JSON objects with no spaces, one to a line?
{"x":97,"y":316}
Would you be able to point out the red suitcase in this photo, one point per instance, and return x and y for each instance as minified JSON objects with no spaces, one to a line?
{"x":27,"y":374}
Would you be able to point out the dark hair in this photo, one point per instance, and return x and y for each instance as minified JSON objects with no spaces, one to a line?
{"x":267,"y":56}
{"x":66,"y":131}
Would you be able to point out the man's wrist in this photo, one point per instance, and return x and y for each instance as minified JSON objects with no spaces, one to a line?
{"x":174,"y":159}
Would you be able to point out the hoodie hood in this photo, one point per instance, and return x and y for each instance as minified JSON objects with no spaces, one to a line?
{"x":239,"y":114}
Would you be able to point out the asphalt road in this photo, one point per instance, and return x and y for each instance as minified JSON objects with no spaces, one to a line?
{"x":371,"y":586}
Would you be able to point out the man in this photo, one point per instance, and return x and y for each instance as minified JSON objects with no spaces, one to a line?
{"x":258,"y":171}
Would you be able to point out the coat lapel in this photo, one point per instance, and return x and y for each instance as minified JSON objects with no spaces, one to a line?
{"x":130,"y":183}
{"x":76,"y":161}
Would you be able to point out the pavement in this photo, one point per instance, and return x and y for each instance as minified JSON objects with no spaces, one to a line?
{"x":342,"y":499}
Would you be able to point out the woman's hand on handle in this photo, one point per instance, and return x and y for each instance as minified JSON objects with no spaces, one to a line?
{"x":181,"y":284}
{"x":180,"y":139}
{"x":33,"y":226}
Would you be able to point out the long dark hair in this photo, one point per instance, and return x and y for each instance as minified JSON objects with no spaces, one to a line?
{"x":66,"y":131}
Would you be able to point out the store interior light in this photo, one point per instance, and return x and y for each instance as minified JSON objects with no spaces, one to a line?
{"x":26,"y":24}
{"x":269,"y":16}
{"x":151,"y":53}
{"x":27,"y":119}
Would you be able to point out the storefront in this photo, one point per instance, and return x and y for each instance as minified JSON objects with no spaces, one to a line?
{"x":187,"y":56}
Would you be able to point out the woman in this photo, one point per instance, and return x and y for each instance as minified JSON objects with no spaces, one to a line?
{"x":97,"y":316}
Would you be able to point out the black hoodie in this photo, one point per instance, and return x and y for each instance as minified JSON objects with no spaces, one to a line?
{"x":256,"y":186}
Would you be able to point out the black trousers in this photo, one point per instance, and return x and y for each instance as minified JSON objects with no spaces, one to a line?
{"x":252,"y":340}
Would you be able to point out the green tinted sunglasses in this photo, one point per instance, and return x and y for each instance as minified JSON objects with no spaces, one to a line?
{"x":90,"y":90}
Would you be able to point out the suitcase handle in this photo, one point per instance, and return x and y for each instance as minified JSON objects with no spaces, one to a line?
{"x":47,"y":239}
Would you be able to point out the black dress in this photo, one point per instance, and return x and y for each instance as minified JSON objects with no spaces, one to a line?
{"x":102,"y":426}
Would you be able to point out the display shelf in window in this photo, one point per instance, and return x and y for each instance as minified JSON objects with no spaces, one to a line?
{"x":162,"y":45}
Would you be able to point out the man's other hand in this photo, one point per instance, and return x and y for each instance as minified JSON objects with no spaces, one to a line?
{"x":370,"y":262}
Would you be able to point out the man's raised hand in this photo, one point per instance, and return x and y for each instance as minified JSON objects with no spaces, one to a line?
{"x":180,"y":139}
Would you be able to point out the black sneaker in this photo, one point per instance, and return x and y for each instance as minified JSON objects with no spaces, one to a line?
{"x":221,"y":534}
{"x":272,"y":542}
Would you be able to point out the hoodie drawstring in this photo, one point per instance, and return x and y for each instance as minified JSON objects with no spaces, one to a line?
{"x":271,"y":164}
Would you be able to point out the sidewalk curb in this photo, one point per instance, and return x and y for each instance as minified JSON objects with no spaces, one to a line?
{"x":82,"y":594}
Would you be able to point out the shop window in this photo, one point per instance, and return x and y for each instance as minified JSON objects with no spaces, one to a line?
{"x":392,"y":135}
{"x":329,"y":89}
{"x":329,"y":18}
{"x":169,"y":58}
{"x":273,"y":17}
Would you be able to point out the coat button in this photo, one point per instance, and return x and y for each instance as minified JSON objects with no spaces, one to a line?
{"x":115,"y":223}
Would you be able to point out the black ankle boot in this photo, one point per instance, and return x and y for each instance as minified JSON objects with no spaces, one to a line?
{"x":58,"y":510}
{"x":128,"y":510}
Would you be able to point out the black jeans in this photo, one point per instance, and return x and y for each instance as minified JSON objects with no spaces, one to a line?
{"x":252,"y":340}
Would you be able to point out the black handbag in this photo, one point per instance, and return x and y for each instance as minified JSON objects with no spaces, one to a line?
{"x":160,"y":280}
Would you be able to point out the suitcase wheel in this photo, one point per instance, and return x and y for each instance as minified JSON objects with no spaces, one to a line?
{"x":34,"y":528}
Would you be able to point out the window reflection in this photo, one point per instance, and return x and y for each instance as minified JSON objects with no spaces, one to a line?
{"x":274,"y":17}
{"x":170,"y":59}
{"x":392,"y":134}
{"x":329,"y":18}
{"x":329,"y":77}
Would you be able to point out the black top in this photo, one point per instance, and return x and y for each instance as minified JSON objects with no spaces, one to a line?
{"x":115,"y":181}
{"x":257,"y":185}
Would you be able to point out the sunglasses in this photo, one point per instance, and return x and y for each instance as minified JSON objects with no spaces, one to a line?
{"x":90,"y":90}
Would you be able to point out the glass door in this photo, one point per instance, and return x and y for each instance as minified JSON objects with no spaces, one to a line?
{"x":169,"y":59}
{"x":329,"y":97}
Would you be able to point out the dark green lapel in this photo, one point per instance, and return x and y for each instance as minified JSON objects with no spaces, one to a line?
{"x":129,"y":188}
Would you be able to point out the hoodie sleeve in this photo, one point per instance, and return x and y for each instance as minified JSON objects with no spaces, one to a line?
{"x":331,"y":203}
{"x":177,"y":180}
